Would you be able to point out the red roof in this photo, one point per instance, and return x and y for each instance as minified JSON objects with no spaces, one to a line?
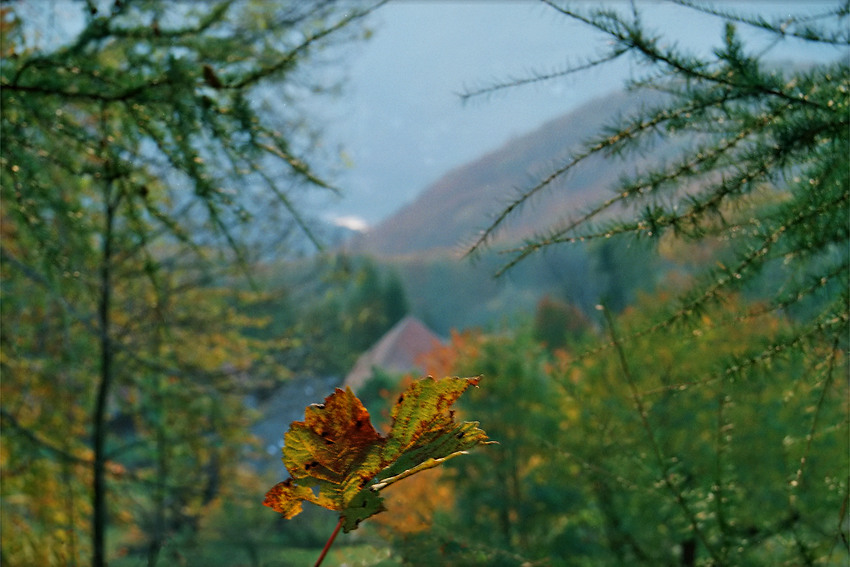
{"x":397,"y":351}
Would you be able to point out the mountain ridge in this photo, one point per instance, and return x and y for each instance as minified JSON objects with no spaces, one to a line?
{"x":448,"y":214}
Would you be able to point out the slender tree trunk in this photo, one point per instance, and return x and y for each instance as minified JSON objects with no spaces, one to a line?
{"x":689,"y":552}
{"x":99,"y":512}
{"x":160,"y":528}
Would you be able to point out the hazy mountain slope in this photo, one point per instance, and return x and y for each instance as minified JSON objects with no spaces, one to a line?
{"x":449,"y":213}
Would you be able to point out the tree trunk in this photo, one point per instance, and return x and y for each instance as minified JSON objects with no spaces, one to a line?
{"x":99,"y":511}
{"x":689,"y":552}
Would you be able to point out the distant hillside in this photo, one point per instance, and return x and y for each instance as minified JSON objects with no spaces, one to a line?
{"x":448,"y":214}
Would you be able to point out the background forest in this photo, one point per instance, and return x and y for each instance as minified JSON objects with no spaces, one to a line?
{"x":659,"y":306}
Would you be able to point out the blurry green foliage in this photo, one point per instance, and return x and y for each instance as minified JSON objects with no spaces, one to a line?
{"x":148,"y":146}
{"x":710,"y":424}
{"x":557,"y":323}
{"x":329,"y":311}
{"x":658,"y":457}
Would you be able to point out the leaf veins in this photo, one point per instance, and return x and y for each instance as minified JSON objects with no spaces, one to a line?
{"x":337,"y":450}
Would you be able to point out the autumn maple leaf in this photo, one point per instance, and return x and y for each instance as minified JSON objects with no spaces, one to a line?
{"x":336,"y":459}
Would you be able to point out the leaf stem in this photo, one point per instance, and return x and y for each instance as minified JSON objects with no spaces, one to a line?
{"x":429,"y":464}
{"x":328,"y":544}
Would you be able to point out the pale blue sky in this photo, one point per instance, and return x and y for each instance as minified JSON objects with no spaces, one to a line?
{"x":402,"y":123}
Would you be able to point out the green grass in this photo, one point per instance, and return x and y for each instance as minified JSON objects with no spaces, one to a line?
{"x":221,"y":555}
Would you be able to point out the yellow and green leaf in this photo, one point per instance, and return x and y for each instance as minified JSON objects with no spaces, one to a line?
{"x":337,"y":451}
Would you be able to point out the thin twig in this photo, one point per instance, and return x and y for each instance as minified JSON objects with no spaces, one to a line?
{"x":328,"y":544}
{"x":656,"y":449}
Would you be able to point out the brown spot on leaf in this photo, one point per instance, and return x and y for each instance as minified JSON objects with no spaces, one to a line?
{"x":336,"y":443}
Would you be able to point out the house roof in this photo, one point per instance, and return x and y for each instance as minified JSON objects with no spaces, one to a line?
{"x":397,"y":351}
